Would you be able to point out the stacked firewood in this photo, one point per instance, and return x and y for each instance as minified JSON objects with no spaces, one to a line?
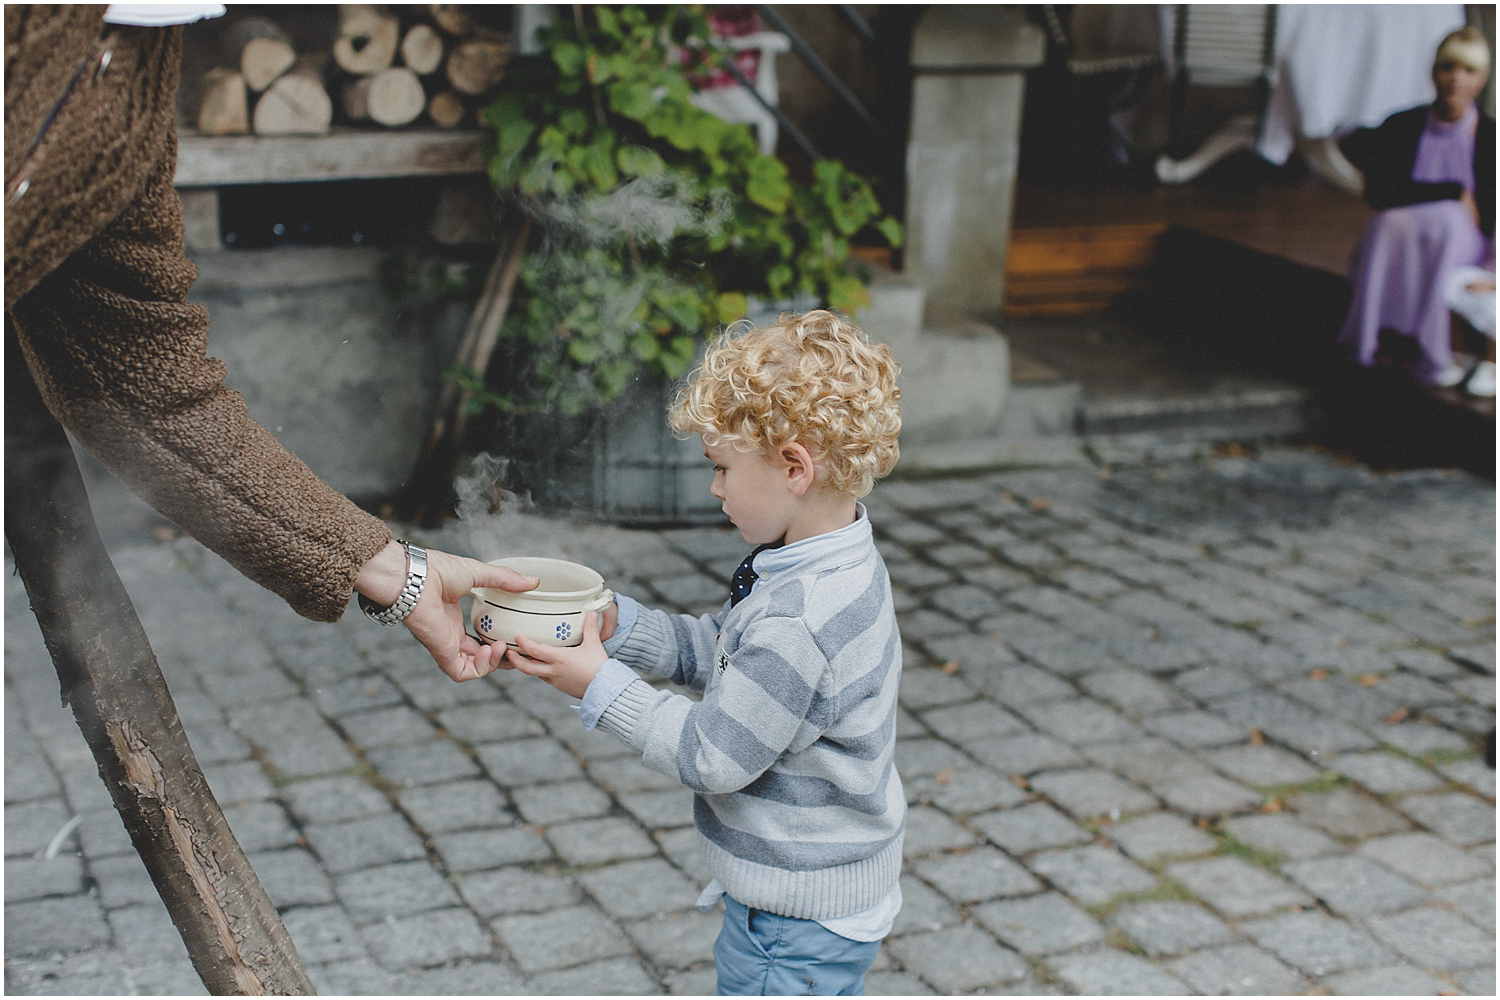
{"x":392,"y":66}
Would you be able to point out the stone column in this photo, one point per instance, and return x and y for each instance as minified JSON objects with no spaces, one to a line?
{"x":968,"y":62}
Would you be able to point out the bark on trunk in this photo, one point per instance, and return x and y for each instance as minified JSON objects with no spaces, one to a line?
{"x":110,"y":678}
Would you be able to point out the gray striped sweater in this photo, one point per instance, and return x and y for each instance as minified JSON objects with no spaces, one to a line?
{"x":789,"y":751}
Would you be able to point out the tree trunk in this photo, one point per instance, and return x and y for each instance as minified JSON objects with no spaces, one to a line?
{"x":111,"y":680}
{"x":296,"y":104}
{"x":223,"y":103}
{"x":422,"y":49}
{"x":367,"y":39}
{"x":395,"y":97}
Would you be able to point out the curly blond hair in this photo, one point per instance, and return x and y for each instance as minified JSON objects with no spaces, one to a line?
{"x":813,"y":378}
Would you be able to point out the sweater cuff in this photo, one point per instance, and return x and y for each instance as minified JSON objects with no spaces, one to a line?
{"x":623,"y":715}
{"x":643,"y":645}
{"x":612,"y":678}
{"x":628,"y":611}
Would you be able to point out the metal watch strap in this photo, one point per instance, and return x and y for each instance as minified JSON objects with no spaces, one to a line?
{"x":416,"y":576}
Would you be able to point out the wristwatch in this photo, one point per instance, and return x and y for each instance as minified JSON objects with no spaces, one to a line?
{"x":416,"y":576}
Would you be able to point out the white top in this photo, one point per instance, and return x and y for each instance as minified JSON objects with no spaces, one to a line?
{"x":161,"y":15}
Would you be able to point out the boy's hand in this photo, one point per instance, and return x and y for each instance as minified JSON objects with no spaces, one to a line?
{"x":570,"y":669}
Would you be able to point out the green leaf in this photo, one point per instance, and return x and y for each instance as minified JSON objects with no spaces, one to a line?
{"x":891,"y":230}
{"x":570,"y":58}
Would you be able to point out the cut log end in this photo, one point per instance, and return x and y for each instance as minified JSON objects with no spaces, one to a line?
{"x":296,"y":104}
{"x":422,"y":50}
{"x":446,"y":109}
{"x":478,"y":64}
{"x":223,"y":103}
{"x":396,"y":97}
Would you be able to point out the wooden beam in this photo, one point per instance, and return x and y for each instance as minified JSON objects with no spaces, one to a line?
{"x":350,"y":154}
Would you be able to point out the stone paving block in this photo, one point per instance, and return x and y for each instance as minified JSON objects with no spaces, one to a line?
{"x":877,"y":984}
{"x":238,"y":782}
{"x":1207,"y":795}
{"x":1294,"y":724}
{"x":355,"y":695}
{"x":475,"y":850}
{"x":1039,"y":925}
{"x":661,"y":809}
{"x":1386,"y":981}
{"x":1079,"y":721}
{"x":1214,"y":681}
{"x":1157,"y":656}
{"x":972,"y":720}
{"x":514,"y":889}
{"x":1262,"y":766}
{"x":1158,"y":835}
{"x":958,"y":791}
{"x":31,"y":877}
{"x":146,"y":935}
{"x":334,"y":800}
{"x":1354,"y":886}
{"x":619,"y":976}
{"x":975,"y":875}
{"x":1343,"y":697}
{"x":1115,"y":973}
{"x":958,"y":959}
{"x":528,"y":761}
{"x":1092,"y":874}
{"x":461,"y":979}
{"x":1132,"y":692}
{"x":364,"y":843}
{"x":1195,"y":729}
{"x":1066,"y":659}
{"x":489,"y":722}
{"x":393,"y":726}
{"x":1477,"y":982}
{"x":124,"y":881}
{"x":1424,"y":859}
{"x":427,"y":939}
{"x":1317,"y":944}
{"x":389,"y":891}
{"x":1024,"y":754}
{"x":929,"y":830}
{"x":63,"y":924}
{"x":1235,"y":888}
{"x":924,"y":688}
{"x":634,"y":889}
{"x":293,"y":878}
{"x":1090,"y":792}
{"x":594,"y":841}
{"x":684,"y":848}
{"x":1028,"y":828}
{"x":1237,"y":970}
{"x":629,"y":774}
{"x":260,"y":686}
{"x":922,"y":908}
{"x":93,"y":973}
{"x":1423,"y":738}
{"x":1345,"y":812}
{"x":560,"y":802}
{"x":212,"y":743}
{"x":677,"y":940}
{"x":458,"y":805}
{"x":1475,"y":900}
{"x":30,"y":826}
{"x":1462,"y":819}
{"x":261,"y":826}
{"x":925,"y":757}
{"x":1435,"y":939}
{"x":435,"y":760}
{"x":560,"y":938}
{"x":1472,"y":772}
{"x":1283,"y":834}
{"x":1170,"y":927}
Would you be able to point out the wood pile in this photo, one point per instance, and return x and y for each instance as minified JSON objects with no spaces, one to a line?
{"x":386,"y":65}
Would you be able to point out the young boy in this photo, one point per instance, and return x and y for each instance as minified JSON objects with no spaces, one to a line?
{"x":789,"y":751}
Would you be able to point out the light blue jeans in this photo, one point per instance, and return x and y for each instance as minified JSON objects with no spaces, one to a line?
{"x":767,"y":955}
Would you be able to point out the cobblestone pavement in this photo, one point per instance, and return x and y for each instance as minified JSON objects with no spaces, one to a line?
{"x":1208,"y":727}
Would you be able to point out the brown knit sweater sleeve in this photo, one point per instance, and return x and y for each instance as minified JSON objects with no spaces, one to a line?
{"x":121,"y":359}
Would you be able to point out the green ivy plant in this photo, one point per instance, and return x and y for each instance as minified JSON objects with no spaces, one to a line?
{"x":661,"y":221}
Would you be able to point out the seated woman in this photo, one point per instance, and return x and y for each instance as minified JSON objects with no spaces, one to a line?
{"x":1430,"y":171}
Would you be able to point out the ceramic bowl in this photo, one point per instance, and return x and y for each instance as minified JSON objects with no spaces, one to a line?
{"x":552,"y":614}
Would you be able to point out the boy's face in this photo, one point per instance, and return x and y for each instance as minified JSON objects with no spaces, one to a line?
{"x":756,"y":493}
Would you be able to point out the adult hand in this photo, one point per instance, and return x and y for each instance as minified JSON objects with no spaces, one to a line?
{"x":570,"y":669}
{"x":438,"y":621}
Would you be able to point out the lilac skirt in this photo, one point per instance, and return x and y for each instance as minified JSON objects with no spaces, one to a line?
{"x":1401,"y":273}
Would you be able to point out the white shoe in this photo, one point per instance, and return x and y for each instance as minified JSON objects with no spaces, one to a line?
{"x":1448,"y":377}
{"x":1482,"y":382}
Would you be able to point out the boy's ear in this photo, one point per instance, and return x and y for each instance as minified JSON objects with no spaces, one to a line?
{"x":801,"y":468}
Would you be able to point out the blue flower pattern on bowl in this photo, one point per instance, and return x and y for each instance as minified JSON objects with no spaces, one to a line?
{"x":564,"y":630}
{"x":486,"y":624}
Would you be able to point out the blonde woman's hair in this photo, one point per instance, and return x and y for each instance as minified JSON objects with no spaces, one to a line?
{"x":1467,"y":47}
{"x":814,"y":378}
